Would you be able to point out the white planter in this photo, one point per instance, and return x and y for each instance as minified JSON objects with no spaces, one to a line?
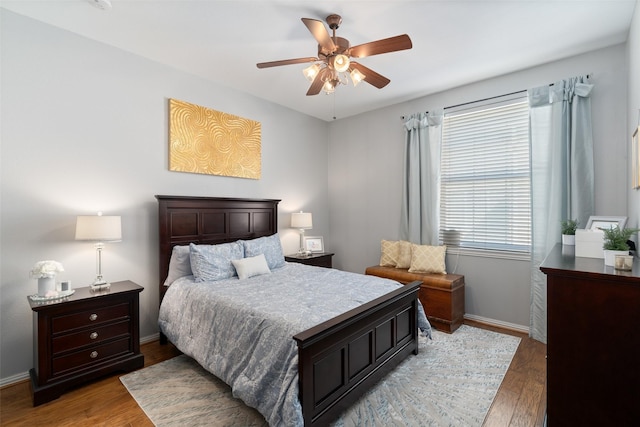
{"x":46,"y":284}
{"x":568,"y":239}
{"x":610,"y":256}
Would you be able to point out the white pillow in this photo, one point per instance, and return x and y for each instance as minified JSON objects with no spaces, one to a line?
{"x":179,"y":264}
{"x":251,"y":266}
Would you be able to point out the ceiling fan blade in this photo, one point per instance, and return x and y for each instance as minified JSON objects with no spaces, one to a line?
{"x":320,"y":33}
{"x":392,"y":44}
{"x":318,"y":82}
{"x":371,"y":76}
{"x":285,"y":62}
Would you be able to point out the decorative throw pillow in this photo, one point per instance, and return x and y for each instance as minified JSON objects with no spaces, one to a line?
{"x":269,"y":246}
{"x":213,"y":262}
{"x":428,"y":259}
{"x":252,"y":266}
{"x":389,"y":249}
{"x":179,"y":264}
{"x":404,"y":254}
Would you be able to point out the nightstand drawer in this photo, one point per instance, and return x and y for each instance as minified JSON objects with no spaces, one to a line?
{"x":90,"y":317}
{"x":90,"y":356}
{"x":89,"y":336}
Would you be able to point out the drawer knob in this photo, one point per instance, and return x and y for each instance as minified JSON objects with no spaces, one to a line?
{"x":93,"y":354}
{"x":93,"y":317}
{"x":93,"y":335}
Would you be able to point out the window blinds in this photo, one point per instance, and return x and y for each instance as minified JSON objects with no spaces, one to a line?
{"x":485,"y":177}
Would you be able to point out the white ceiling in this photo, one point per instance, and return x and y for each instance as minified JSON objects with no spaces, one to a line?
{"x":454,"y":41}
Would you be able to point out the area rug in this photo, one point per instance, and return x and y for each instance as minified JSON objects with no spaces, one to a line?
{"x":452,"y":381}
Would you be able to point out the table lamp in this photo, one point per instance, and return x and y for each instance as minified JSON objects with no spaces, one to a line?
{"x":302,"y":221}
{"x":100,"y":229}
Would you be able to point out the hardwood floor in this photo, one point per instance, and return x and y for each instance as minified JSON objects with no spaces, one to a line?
{"x":520,"y":401}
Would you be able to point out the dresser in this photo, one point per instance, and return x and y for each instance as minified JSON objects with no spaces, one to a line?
{"x":83,"y":337}
{"x":593,"y":341}
{"x":316,"y":259}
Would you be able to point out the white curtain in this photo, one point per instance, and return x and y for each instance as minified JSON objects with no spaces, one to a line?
{"x":562,"y":179}
{"x":421,"y":189}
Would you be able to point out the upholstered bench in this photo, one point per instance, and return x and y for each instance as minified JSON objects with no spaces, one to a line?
{"x":441,"y":295}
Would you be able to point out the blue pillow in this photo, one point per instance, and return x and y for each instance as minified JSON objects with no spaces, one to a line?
{"x":213,"y":262}
{"x":269,"y":246}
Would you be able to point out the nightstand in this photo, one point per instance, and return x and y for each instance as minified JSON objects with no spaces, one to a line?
{"x":318,"y":260}
{"x":83,"y":337}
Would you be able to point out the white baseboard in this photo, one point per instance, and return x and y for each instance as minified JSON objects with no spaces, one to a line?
{"x":13,"y":379}
{"x":498,"y":323}
{"x":25,"y":375}
{"x":149,"y":338}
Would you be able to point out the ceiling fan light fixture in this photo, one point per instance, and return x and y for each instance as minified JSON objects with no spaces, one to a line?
{"x":311,"y":71}
{"x":356,"y":76}
{"x":341,"y":63}
{"x":329,"y":87}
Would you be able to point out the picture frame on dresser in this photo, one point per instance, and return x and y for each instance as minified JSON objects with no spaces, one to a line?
{"x":595,"y":223}
{"x":314,"y":244}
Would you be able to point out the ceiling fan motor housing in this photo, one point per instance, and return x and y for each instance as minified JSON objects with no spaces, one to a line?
{"x":342,"y":45}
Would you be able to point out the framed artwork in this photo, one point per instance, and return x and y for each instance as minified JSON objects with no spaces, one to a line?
{"x":206,"y":141}
{"x":314,"y":244}
{"x":595,"y":223}
{"x":635,"y":159}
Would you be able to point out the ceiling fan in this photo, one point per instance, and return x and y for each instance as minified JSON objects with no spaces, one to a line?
{"x":335,"y":57}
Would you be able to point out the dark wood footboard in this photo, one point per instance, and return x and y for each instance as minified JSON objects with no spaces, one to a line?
{"x":341,"y":358}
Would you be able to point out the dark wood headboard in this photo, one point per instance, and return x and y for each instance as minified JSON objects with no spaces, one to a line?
{"x":210,"y":221}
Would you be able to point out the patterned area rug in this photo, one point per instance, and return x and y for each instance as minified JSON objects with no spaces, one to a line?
{"x":452,"y":381}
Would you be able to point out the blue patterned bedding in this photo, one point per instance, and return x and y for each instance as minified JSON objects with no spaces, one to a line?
{"x":241,"y":330}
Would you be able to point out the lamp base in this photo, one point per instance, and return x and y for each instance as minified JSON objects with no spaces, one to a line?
{"x":303,"y":254}
{"x":100,"y":285}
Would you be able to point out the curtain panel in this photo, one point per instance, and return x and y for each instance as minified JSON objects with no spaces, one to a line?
{"x":421,"y":187}
{"x":562,"y":176}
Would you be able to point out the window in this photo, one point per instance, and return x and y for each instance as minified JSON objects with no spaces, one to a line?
{"x":485,"y":176}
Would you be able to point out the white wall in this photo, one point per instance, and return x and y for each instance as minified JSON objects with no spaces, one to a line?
{"x":365,"y":170}
{"x":633,"y":102}
{"x":85,"y":128}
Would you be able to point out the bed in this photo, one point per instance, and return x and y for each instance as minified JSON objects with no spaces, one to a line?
{"x":336,"y":360}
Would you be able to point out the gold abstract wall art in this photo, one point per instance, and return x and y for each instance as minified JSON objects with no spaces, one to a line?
{"x":211,"y":142}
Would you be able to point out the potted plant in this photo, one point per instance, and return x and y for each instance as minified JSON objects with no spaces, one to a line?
{"x":569,"y":227}
{"x":615,"y":242}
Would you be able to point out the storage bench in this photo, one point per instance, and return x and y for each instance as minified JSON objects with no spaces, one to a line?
{"x":441,"y":295}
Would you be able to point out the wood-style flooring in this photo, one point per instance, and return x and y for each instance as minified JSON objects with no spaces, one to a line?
{"x":520,"y":401}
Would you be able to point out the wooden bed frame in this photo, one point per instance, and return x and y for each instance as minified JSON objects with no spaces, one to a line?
{"x":338,"y":360}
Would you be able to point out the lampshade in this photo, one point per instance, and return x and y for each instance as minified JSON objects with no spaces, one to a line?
{"x":329,"y":87}
{"x":311,"y":71}
{"x":301,"y":220}
{"x":356,"y":77}
{"x":341,"y":63}
{"x":98,"y":228}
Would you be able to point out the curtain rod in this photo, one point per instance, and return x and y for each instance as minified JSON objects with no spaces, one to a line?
{"x":478,"y":100}
{"x":486,"y":99}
